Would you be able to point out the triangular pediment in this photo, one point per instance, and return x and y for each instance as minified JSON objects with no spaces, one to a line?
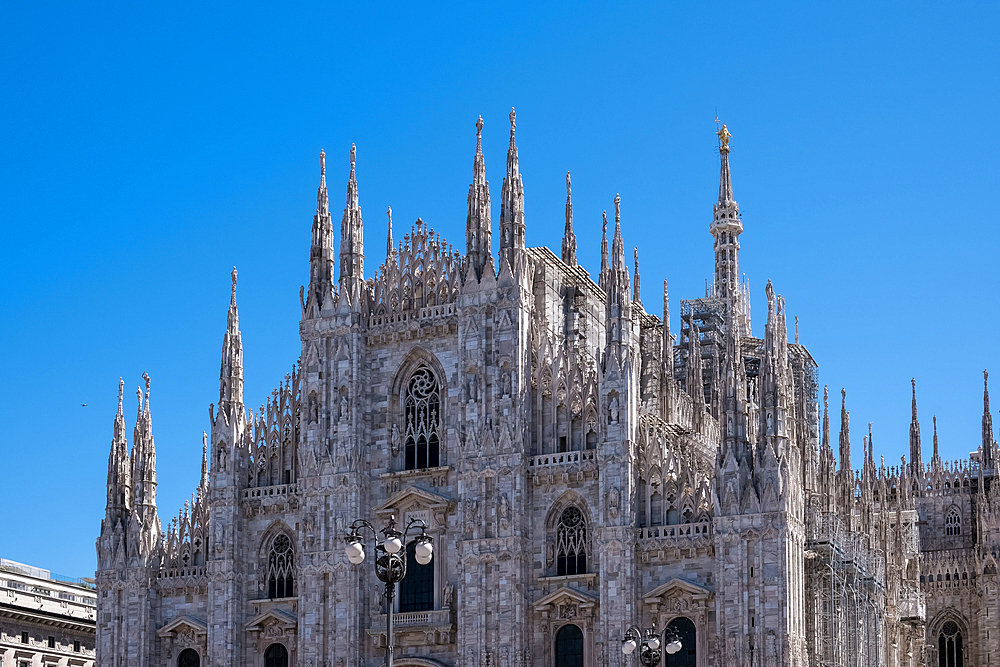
{"x":413,"y":498}
{"x":676,"y":588}
{"x":566,"y":595}
{"x":278,"y":617}
{"x":178,"y":626}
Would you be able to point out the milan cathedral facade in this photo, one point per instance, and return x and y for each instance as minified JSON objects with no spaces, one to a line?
{"x":580,"y":466}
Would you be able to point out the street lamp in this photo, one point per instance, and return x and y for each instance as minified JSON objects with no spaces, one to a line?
{"x":390,"y":559}
{"x":648,"y":643}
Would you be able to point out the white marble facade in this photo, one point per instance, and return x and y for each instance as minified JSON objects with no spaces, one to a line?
{"x":581,"y":468}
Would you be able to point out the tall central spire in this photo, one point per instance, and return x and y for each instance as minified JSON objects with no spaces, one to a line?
{"x":477,"y":221}
{"x":987,"y":423}
{"x":352,"y":243}
{"x":512,"y":203}
{"x":231,"y":373}
{"x":569,"y":238}
{"x":915,"y":457}
{"x":726,"y":227}
{"x":321,"y":248}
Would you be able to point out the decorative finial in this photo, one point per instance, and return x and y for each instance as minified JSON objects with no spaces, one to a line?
{"x":796,"y":329}
{"x":121,"y":387}
{"x":233,"y":274}
{"x":512,"y":123}
{"x":354,"y":155}
{"x":479,"y":127}
{"x":635,"y":257}
{"x":322,"y":163}
{"x":618,"y":208}
{"x":724,"y":137}
{"x":389,"y":213}
{"x":568,"y":185}
{"x":145,"y":376}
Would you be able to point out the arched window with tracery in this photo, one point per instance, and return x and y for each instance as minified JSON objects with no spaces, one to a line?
{"x":569,"y":646}
{"x":571,"y":543}
{"x":953,"y":522}
{"x":188,"y":658}
{"x":280,"y":568}
{"x":422,"y":415}
{"x":950,"y":646}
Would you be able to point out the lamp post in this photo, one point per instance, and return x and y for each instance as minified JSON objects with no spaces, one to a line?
{"x":390,"y":559}
{"x":648,"y":643}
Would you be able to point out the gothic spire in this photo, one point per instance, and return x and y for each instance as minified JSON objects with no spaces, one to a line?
{"x":667,"y":341}
{"x":726,"y":228}
{"x":512,"y":203}
{"x":477,"y":221}
{"x":602,"y":279}
{"x":144,"y":462}
{"x":388,"y":238}
{"x":119,"y":485}
{"x":321,"y":247}
{"x":915,"y":457}
{"x":635,"y":280}
{"x":352,"y":244}
{"x":569,"y":238}
{"x":695,"y":380}
{"x":987,"y":424}
{"x":845,"y":434}
{"x":203,"y":486}
{"x":826,"y":418}
{"x":231,"y":372}
{"x":936,"y":458}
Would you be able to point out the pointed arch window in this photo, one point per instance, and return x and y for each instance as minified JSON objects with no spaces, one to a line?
{"x":953,"y":522}
{"x":280,"y":568}
{"x":571,"y":543}
{"x":569,"y":646}
{"x":422,"y":415}
{"x":950,"y":652}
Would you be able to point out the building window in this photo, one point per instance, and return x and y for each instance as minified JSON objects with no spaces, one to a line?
{"x":276,"y":656}
{"x":950,"y":646}
{"x":52,"y":641}
{"x":189,"y":658}
{"x":688,"y":655}
{"x":953,"y":522}
{"x":569,"y":646}
{"x":280,"y":564}
{"x":422,"y":413}
{"x":571,"y":543}
{"x":76,"y":646}
{"x":24,"y":637}
{"x":416,"y":590}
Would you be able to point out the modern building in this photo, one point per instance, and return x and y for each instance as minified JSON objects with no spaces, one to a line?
{"x":45,"y":621}
{"x":580,"y":467}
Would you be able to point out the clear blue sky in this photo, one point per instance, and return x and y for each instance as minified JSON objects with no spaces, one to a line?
{"x":145,"y":151}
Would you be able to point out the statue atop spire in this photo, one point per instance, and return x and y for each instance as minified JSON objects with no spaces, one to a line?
{"x":915,"y":455}
{"x":512,"y":204}
{"x":231,"y":373}
{"x":726,"y":228}
{"x":602,"y":278}
{"x":635,"y":280}
{"x":569,"y":238}
{"x":352,"y":245}
{"x":321,"y":248}
{"x":987,"y":423}
{"x":388,"y":238}
{"x":477,"y":222}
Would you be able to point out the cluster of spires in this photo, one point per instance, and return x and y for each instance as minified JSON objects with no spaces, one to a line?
{"x":323,"y":290}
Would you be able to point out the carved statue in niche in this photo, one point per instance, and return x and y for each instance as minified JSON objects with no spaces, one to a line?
{"x":449,"y":594}
{"x":472,"y":386}
{"x":313,"y":408}
{"x":504,"y":510}
{"x":613,"y":410}
{"x":219,"y":535}
{"x":395,"y":440}
{"x":550,"y":554}
{"x":614,"y":501}
{"x":506,"y":383}
{"x":344,"y":411}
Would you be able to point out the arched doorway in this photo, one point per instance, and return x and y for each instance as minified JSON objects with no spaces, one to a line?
{"x":569,"y":646}
{"x":688,"y":655}
{"x":189,"y":658}
{"x":276,"y":655}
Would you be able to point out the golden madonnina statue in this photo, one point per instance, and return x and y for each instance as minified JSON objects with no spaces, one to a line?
{"x":724,"y":137}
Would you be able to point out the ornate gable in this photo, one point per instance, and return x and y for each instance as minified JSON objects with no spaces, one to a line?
{"x":414,"y":502}
{"x":185,"y":626}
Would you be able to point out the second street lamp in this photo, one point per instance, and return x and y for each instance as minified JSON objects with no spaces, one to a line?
{"x":648,"y":643}
{"x":390,"y":559}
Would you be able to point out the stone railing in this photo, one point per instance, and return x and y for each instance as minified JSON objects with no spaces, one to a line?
{"x":398,"y":317}
{"x":700,"y":529}
{"x":278,"y":490}
{"x":174,"y":572}
{"x":563,"y":458}
{"x":411,"y":618}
